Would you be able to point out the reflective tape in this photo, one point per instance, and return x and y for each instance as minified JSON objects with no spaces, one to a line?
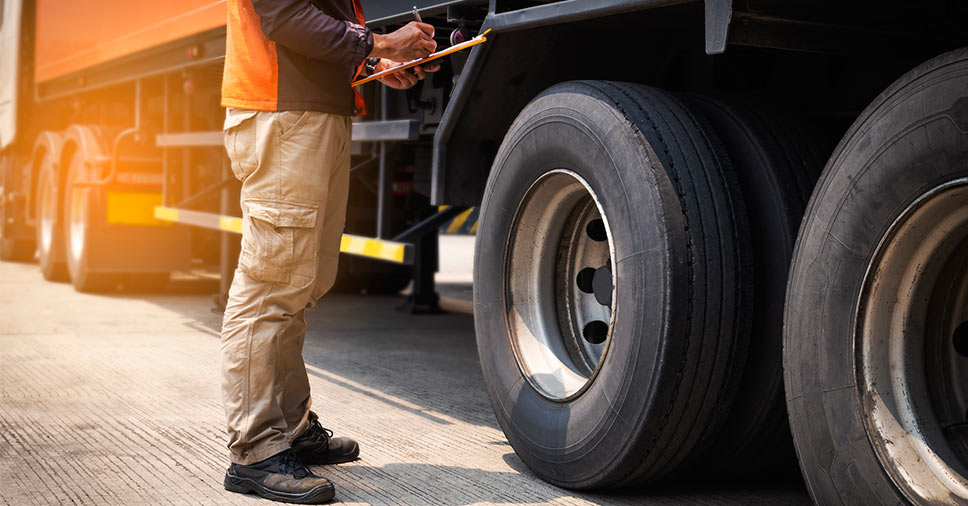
{"x":463,"y":223}
{"x":390,"y":251}
{"x":375,"y":248}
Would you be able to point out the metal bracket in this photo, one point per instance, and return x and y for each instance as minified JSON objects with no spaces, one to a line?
{"x":429,"y":224}
{"x":718,"y":15}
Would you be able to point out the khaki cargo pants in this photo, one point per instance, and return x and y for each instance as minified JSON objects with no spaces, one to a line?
{"x":294,"y":168}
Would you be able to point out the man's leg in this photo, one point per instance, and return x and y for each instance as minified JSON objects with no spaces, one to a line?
{"x":251,"y":371}
{"x":312,"y":443}
{"x":286,"y":161}
{"x":332,"y":221}
{"x":296,"y":398}
{"x":330,"y":234}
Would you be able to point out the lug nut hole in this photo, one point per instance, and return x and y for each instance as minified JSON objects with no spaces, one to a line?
{"x":596,"y":230}
{"x":585,"y":280}
{"x":595,"y":332}
{"x":960,"y":339}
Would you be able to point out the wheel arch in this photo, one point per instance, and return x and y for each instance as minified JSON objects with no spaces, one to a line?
{"x":84,"y":138}
{"x":526,"y":55}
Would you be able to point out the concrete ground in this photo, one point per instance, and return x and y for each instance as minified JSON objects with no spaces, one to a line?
{"x":113,"y":399}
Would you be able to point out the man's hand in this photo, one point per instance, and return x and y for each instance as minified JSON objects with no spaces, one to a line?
{"x":415,"y":40}
{"x":404,"y":79}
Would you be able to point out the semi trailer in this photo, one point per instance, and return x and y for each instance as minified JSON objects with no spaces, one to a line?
{"x":713,"y":236}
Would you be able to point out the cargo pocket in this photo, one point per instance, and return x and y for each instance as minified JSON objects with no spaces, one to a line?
{"x":279,"y":242}
{"x":239,"y":137}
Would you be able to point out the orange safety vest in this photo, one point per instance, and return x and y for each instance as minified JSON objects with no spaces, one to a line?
{"x":294,"y":55}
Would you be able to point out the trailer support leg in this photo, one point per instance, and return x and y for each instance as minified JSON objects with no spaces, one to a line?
{"x":424,"y":299}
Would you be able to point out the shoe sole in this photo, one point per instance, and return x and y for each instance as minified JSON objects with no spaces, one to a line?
{"x":320,"y":494}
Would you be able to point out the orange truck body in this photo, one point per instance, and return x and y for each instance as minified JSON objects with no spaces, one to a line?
{"x":75,"y":35}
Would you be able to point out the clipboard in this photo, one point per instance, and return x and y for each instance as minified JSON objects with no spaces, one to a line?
{"x":413,"y":63}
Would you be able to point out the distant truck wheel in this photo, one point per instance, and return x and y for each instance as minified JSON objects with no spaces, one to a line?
{"x":876,"y":324}
{"x":611,"y":285}
{"x":48,"y":212}
{"x":777,"y":162}
{"x":78,"y":214}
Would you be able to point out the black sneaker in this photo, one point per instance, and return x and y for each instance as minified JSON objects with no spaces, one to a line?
{"x":281,"y":477}
{"x":317,"y":446}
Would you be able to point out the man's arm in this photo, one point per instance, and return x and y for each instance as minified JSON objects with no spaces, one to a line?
{"x":301,"y":27}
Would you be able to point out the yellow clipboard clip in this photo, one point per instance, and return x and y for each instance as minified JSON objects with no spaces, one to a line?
{"x":480,"y":39}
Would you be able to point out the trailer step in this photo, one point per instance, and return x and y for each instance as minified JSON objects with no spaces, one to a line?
{"x":390,"y":251}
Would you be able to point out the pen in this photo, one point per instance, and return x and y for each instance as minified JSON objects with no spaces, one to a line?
{"x":416,"y":16}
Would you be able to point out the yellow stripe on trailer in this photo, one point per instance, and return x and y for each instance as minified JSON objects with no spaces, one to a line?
{"x":374,"y":248}
{"x":166,"y":214}
{"x":230,"y":224}
{"x":390,"y":251}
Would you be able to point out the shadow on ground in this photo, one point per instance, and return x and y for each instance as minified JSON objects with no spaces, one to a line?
{"x":427,"y":365}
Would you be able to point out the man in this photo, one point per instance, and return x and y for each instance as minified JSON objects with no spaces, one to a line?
{"x":288,"y":68}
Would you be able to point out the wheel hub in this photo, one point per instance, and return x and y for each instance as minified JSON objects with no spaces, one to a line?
{"x":602,"y":285}
{"x":913,"y":346}
{"x":560,"y":286}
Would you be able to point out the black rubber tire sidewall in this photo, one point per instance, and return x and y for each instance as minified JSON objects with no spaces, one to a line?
{"x":511,"y":179}
{"x":891,"y":156}
{"x":588,"y":441}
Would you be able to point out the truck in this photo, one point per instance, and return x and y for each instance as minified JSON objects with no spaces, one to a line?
{"x":719,"y":236}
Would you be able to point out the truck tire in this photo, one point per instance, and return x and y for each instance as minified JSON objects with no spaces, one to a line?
{"x":777,"y":163}
{"x":48,"y":212}
{"x":599,"y":382}
{"x":79,"y":157}
{"x":875,"y":338}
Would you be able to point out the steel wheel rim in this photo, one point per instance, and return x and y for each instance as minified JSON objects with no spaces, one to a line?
{"x":911,"y":313}
{"x":560,"y":332}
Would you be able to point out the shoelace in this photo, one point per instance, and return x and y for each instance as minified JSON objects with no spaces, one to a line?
{"x":292,"y":465}
{"x":323,"y":435}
